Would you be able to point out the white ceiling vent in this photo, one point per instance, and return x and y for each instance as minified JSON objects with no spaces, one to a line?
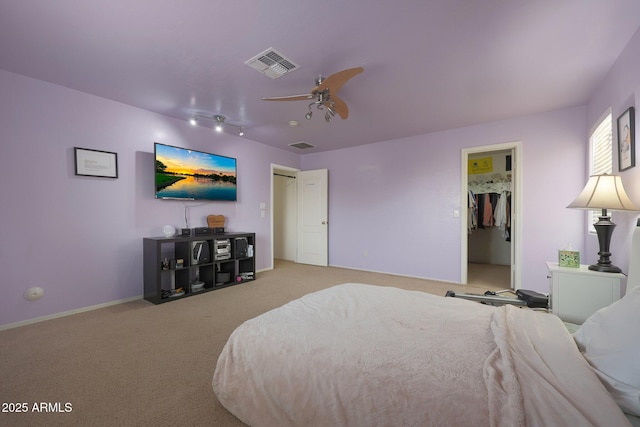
{"x":301,"y":145}
{"x":272,"y":63}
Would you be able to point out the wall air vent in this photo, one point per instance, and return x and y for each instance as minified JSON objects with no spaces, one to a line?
{"x":301,"y":145}
{"x":272,"y":63}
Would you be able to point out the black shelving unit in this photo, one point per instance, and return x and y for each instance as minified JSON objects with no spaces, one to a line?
{"x":163,"y":275}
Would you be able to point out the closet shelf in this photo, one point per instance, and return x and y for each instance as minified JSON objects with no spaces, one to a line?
{"x":490,"y":187}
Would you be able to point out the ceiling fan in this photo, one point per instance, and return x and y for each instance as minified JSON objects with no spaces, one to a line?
{"x":325,"y":94}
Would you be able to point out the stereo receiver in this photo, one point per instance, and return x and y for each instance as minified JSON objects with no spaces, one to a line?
{"x":221,"y":249}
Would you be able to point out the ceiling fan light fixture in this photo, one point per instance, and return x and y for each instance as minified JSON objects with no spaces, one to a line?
{"x":324,"y":90}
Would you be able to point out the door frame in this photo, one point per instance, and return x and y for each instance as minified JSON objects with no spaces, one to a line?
{"x":516,"y":209}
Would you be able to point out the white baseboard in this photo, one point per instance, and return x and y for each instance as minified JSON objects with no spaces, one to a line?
{"x":122,"y":301}
{"x":78,"y":310}
{"x":395,"y":274}
{"x":67,"y":313}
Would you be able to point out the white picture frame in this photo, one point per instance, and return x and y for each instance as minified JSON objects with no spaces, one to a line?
{"x":103,"y":164}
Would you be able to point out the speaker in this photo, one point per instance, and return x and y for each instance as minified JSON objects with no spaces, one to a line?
{"x":184,"y":232}
{"x":201,"y":231}
{"x":200,"y":253}
{"x":218,"y":230}
{"x":241,"y":247}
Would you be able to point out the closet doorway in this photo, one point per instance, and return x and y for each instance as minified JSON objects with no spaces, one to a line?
{"x":491,"y":205}
{"x":299,"y":215}
{"x":284,"y":217}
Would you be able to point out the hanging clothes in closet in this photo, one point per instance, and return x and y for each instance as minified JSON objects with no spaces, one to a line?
{"x":490,"y":206}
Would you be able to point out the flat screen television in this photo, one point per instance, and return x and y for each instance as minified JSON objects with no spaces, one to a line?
{"x":184,"y":174}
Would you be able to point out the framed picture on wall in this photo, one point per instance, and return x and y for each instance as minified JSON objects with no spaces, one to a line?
{"x":98,"y":163}
{"x":626,"y":140}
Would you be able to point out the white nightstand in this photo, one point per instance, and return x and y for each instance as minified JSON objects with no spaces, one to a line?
{"x":577,"y":293}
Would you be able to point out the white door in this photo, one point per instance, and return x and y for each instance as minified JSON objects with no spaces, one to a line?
{"x":313,"y":221}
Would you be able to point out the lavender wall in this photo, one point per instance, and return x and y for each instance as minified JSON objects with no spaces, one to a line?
{"x":619,"y":91}
{"x":394,"y":200}
{"x":80,"y":238}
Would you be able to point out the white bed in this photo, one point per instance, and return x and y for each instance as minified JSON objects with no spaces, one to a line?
{"x":364,"y":355}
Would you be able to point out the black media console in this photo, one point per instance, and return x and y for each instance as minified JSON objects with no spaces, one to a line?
{"x":180,"y":267}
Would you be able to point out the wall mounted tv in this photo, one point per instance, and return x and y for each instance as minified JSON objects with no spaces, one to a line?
{"x":184,"y":174}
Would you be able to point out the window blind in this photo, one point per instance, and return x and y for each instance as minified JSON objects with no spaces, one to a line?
{"x":601,"y":159}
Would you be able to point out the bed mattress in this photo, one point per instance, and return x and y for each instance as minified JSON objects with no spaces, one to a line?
{"x":363,"y":355}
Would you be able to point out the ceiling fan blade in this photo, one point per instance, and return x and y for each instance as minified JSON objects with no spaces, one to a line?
{"x":340,"y":107}
{"x":290,"y":98}
{"x":335,"y":81}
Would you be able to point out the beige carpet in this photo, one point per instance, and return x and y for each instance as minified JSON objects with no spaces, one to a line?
{"x":139,"y":364}
{"x":489,"y":275}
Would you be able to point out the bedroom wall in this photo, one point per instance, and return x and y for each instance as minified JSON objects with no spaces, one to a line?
{"x":80,"y":238}
{"x":619,"y":91}
{"x":391,"y":204}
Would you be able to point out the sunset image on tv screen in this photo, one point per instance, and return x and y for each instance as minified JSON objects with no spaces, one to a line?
{"x":193,"y":175}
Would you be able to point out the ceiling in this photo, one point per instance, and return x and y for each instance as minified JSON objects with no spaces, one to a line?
{"x":429,"y":65}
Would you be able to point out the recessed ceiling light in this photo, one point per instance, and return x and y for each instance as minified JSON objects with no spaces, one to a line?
{"x":294,"y":123}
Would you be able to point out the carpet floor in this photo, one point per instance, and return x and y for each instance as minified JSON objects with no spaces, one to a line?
{"x":139,"y":364}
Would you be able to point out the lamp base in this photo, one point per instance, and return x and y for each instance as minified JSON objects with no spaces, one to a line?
{"x":605,"y":268}
{"x":604,"y":229}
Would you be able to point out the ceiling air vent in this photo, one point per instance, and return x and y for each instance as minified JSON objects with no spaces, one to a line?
{"x":301,"y":145}
{"x":272,"y":63}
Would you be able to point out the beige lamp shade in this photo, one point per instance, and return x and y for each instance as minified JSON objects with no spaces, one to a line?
{"x":604,"y":192}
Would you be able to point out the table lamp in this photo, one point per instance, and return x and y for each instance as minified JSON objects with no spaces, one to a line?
{"x":607,"y":193}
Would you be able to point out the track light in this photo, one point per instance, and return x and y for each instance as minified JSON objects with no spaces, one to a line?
{"x":308,"y":115}
{"x":219,"y":122}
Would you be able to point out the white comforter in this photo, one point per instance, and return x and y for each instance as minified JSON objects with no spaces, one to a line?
{"x":363,"y":355}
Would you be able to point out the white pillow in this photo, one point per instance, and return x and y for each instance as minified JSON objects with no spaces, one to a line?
{"x":610,"y":341}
